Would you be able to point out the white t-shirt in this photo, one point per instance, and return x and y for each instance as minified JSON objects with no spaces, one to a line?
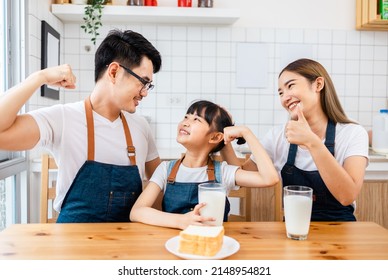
{"x":350,"y":140}
{"x":194,"y":175}
{"x":63,"y":132}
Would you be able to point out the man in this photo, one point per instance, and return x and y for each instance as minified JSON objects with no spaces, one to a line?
{"x":103,"y":150}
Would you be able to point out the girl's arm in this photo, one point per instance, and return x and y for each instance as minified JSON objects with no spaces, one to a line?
{"x":266,"y":174}
{"x":143,"y":212}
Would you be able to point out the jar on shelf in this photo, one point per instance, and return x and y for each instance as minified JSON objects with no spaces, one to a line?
{"x":205,"y":3}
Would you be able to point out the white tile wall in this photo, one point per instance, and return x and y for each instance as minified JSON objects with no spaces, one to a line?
{"x":200,"y":62}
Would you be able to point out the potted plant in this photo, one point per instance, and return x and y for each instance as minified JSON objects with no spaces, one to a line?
{"x":92,"y":18}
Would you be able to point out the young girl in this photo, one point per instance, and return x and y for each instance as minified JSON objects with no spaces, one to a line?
{"x":204,"y":130}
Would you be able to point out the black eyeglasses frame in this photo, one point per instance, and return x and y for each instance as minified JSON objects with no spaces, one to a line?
{"x":147,"y":85}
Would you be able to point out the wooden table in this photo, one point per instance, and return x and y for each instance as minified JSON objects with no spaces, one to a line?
{"x":258,"y":240}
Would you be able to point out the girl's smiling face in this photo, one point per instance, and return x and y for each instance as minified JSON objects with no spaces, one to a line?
{"x":192,"y":130}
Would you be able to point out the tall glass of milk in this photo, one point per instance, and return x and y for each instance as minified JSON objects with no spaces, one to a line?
{"x":214,"y":195}
{"x":298,"y":204}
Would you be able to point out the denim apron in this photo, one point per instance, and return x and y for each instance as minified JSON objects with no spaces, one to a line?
{"x":182,"y":197}
{"x":325,"y":206}
{"x":102,"y":192}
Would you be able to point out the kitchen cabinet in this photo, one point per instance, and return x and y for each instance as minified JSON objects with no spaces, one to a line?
{"x":371,"y":204}
{"x":368,"y":16}
{"x":147,"y":14}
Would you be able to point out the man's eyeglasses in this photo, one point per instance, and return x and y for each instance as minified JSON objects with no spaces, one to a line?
{"x":146,"y":84}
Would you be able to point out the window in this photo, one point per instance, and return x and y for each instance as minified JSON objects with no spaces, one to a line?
{"x":13,"y":165}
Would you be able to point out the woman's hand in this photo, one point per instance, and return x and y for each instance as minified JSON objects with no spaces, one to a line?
{"x":299,"y":132}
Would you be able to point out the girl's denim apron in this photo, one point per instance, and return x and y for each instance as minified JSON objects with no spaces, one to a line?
{"x":102,"y":192}
{"x":325,"y":206}
{"x":181,"y":197}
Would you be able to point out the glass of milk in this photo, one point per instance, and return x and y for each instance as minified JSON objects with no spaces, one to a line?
{"x":214,"y":195}
{"x":298,"y":204}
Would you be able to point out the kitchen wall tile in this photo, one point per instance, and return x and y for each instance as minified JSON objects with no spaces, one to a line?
{"x":380,"y":53}
{"x":72,"y":46}
{"x":311,"y":36}
{"x":179,"y":82}
{"x":194,"y":33}
{"x":164,"y":81}
{"x":223,"y":49}
{"x":366,"y":67}
{"x":339,"y":52}
{"x":365,"y":104}
{"x":194,"y":82}
{"x":164,"y":47}
{"x":164,"y":33}
{"x":252,"y":102}
{"x":166,"y":64}
{"x":253,"y":34}
{"x":193,"y":64}
{"x":352,"y":67}
{"x":209,"y":49}
{"x":325,"y":37}
{"x":150,"y":32}
{"x":208,"y":64}
{"x":339,"y":37}
{"x":208,"y":82}
{"x":223,"y":83}
{"x":381,"y":39}
{"x":267,"y":35}
{"x":365,"y":85}
{"x":353,"y":37}
{"x":209,"y":34}
{"x":324,"y":52}
{"x":194,"y":49}
{"x":251,"y":117}
{"x":224,"y":34}
{"x":366,"y":52}
{"x":223,"y":64}
{"x":379,"y":68}
{"x":352,"y":52}
{"x":339,"y":66}
{"x":296,"y":35}
{"x":179,"y":63}
{"x":238,"y":34}
{"x":179,"y":33}
{"x":282,"y":36}
{"x":379,"y":86}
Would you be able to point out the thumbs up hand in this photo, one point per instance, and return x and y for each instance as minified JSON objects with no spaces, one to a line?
{"x":298,"y":131}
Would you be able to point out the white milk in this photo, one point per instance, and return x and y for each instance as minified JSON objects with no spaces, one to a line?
{"x":297,"y":212}
{"x":215,"y":205}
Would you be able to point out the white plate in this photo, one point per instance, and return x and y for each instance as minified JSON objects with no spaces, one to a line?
{"x":229,"y":247}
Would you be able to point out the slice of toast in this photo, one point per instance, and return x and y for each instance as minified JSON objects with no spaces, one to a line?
{"x":201,"y":240}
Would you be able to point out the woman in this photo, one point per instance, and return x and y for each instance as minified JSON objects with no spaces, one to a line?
{"x":320,"y":146}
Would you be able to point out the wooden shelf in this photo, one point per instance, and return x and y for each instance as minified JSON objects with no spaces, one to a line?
{"x":171,"y":15}
{"x":368,"y":17}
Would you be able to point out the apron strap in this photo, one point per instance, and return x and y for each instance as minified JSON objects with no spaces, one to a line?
{"x":90,"y":126}
{"x":210,"y":170}
{"x":174,"y":170}
{"x":330,"y":136}
{"x":130,"y":147}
